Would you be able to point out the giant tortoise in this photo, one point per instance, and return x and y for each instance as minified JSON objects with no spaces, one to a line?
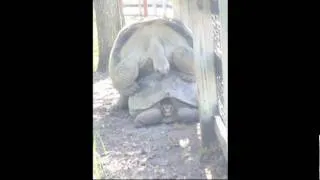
{"x":154,"y":45}
{"x":164,"y":99}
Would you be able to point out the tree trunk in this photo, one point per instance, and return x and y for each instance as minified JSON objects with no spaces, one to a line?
{"x":123,"y":20}
{"x":108,"y":18}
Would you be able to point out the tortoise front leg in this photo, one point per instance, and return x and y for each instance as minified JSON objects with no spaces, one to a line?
{"x":122,"y":103}
{"x":156,"y":53}
{"x":148,"y":117}
{"x":184,"y":112}
{"x":187,"y":115}
{"x":183,"y":60}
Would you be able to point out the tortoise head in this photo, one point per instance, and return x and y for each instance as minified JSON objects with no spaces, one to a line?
{"x":167,"y":108}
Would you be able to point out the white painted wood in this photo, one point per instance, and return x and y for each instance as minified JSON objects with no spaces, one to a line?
{"x":222,"y":135}
{"x":181,"y":11}
{"x":224,"y":42}
{"x":154,"y":7}
{"x":164,"y":7}
{"x":204,"y":66}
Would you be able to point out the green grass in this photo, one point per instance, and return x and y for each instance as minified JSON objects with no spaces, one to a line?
{"x":98,"y":171}
{"x":95,"y":45}
{"x":97,"y":163}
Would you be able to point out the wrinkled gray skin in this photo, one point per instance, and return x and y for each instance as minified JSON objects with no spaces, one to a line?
{"x":149,"y":105}
{"x":157,"y":45}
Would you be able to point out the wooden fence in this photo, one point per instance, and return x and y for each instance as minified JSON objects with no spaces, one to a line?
{"x":146,"y":8}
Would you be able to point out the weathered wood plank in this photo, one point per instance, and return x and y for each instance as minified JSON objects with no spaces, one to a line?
{"x":220,"y":127}
{"x":222,"y":135}
{"x":223,"y":6}
{"x":203,"y":49}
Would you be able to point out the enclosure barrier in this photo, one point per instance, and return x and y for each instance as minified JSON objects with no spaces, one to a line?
{"x":223,"y":127}
{"x":143,"y":7}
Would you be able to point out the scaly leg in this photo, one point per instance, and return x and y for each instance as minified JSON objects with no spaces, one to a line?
{"x":124,"y":78}
{"x":148,"y":117}
{"x":187,"y":115}
{"x":156,"y":53}
{"x":182,"y":58}
{"x":122,"y":103}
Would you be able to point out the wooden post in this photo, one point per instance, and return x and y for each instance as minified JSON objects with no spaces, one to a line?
{"x":203,"y":48}
{"x":176,"y":9}
{"x":222,"y":128}
{"x":140,"y":4}
{"x":155,"y":7}
{"x":145,"y":8}
{"x":123,"y":21}
{"x":181,"y":11}
{"x":164,"y":7}
{"x":120,"y":4}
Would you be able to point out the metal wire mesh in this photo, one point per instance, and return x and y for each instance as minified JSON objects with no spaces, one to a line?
{"x":216,"y":37}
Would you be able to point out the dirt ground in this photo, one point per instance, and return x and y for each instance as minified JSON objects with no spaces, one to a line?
{"x":161,"y":151}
